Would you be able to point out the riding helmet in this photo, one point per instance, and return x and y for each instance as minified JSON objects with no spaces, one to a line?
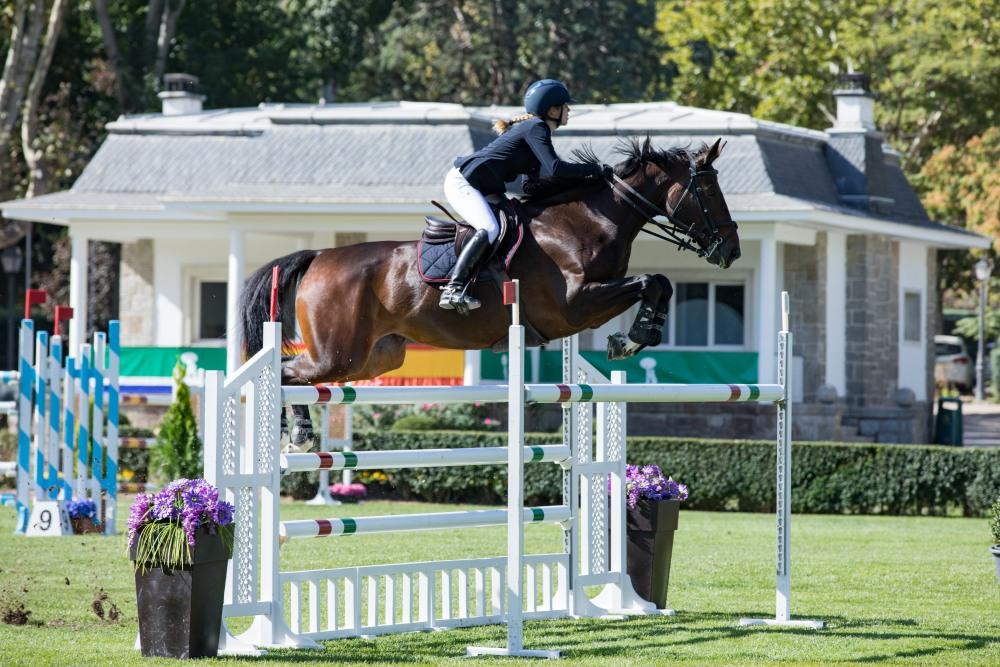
{"x":544,"y":94}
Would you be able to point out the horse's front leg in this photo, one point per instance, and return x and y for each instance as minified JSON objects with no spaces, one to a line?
{"x":647,"y":328}
{"x":596,"y":303}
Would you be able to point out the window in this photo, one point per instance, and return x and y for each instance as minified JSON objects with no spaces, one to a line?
{"x":211,"y":310}
{"x":728,"y":315}
{"x":708,"y":314}
{"x":703,"y":314}
{"x":691,"y":305}
{"x":912,"y":317}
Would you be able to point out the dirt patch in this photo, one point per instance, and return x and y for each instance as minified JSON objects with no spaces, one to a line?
{"x":104,"y":608}
{"x":13,"y":613}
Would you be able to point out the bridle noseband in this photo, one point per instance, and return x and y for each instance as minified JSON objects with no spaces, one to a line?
{"x":676,"y":232}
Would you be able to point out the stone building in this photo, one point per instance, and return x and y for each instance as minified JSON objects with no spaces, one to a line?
{"x":199,"y":198}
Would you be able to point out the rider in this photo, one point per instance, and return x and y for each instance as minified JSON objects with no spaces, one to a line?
{"x":524,"y":147}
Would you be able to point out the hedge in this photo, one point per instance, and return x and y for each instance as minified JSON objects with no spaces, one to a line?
{"x":842,"y":478}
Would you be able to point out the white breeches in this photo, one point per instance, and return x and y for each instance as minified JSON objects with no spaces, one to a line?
{"x":470,"y":203}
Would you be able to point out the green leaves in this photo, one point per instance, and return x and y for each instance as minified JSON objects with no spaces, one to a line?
{"x":177,"y":452}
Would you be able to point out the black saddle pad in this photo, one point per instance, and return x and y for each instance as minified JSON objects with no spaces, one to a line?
{"x":437,"y":254}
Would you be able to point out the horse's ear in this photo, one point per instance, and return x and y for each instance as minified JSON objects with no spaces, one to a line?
{"x":708,"y":156}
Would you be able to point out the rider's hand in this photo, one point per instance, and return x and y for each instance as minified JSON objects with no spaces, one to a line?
{"x":607,"y":171}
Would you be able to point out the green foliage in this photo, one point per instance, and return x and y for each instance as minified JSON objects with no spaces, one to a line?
{"x":995,"y":373}
{"x":164,"y":544}
{"x":425,"y":417}
{"x":133,"y":463}
{"x":968,"y":327}
{"x":177,"y":452}
{"x":995,"y":521}
{"x":415,"y":423}
{"x":729,"y":474}
{"x":487,"y":52}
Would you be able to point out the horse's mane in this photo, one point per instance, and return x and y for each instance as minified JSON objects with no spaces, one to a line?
{"x":543,"y":192}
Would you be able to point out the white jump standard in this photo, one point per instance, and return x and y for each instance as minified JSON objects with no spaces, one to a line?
{"x":297,"y":609}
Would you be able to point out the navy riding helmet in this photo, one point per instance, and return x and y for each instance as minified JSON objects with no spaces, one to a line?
{"x":544,"y":94}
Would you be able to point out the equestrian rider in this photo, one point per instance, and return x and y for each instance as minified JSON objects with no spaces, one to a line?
{"x":524,"y":147}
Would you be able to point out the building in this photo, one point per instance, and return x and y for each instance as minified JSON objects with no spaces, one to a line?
{"x":201,"y":198}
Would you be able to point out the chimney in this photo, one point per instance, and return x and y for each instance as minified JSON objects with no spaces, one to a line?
{"x":179,"y":96}
{"x":854,"y":150}
{"x":855,"y":104}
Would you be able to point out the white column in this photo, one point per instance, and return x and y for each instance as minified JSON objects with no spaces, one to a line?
{"x":472,"y":374}
{"x":836,"y":311}
{"x":78,"y":292}
{"x":233,"y":287}
{"x":767,"y":311}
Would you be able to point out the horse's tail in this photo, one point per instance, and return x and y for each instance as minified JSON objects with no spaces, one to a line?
{"x":255,"y":302}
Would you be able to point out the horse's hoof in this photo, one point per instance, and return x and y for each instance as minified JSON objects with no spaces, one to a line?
{"x":646,"y":336}
{"x":301,"y":434}
{"x":617,"y":344}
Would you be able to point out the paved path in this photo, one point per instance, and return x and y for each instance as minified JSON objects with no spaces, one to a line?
{"x":980,"y":423}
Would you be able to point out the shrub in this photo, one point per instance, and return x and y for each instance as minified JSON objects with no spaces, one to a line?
{"x":995,"y":372}
{"x":837,"y":478}
{"x":429,"y":416}
{"x":177,"y":453}
{"x":995,"y":521}
{"x":416,"y":423}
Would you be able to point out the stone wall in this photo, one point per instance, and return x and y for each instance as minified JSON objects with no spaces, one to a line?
{"x":872,"y":320}
{"x":805,"y":281}
{"x":137,"y":298}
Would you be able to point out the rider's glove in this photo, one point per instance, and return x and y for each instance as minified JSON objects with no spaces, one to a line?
{"x":607,"y":171}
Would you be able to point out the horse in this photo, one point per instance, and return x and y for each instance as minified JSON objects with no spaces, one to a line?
{"x":357,"y":306}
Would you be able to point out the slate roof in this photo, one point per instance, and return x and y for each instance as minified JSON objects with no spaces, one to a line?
{"x":399,"y":152}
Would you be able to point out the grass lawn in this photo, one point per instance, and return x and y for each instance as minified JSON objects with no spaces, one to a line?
{"x":908,"y":590}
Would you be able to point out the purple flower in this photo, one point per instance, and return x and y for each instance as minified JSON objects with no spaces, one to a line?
{"x":650,"y":483}
{"x":188,"y":503}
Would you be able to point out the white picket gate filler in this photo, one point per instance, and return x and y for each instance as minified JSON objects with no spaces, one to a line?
{"x":296,"y":609}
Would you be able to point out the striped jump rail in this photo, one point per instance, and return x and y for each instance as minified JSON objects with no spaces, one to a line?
{"x":368,"y":525}
{"x":537,"y":393}
{"x":418,"y":458}
{"x":135,"y":443}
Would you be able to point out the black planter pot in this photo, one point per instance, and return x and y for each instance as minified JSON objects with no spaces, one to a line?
{"x":650,"y":530}
{"x":180,"y":611}
{"x":995,"y":550}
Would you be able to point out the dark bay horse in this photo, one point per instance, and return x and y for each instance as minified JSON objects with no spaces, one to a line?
{"x":357,"y":306}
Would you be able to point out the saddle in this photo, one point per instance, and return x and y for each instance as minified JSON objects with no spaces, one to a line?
{"x":443,"y":239}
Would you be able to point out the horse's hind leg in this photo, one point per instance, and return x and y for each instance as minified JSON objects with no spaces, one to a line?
{"x":386,"y":354}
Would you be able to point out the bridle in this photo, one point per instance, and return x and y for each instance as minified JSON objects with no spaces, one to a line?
{"x":676,"y":232}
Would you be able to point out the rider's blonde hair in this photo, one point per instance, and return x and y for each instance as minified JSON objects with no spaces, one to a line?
{"x":500,"y":126}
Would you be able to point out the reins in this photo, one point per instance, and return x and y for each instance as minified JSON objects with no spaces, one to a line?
{"x":676,"y":232}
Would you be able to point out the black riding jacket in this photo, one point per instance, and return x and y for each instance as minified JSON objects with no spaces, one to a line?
{"x":526,"y":148}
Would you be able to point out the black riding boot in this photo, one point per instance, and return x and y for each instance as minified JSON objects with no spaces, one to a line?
{"x":454,"y":297}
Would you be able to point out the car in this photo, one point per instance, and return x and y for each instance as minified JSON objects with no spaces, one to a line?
{"x":953,"y":366}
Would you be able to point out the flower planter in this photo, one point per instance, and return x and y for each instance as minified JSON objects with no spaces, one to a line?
{"x":180,"y":611}
{"x":83,"y":525}
{"x":995,"y":550}
{"x":650,"y":532}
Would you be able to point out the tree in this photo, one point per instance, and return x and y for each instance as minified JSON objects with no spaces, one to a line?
{"x":34,"y":153}
{"x":138,"y":68}
{"x":177,"y":452}
{"x":961,"y":184}
{"x":24,"y":71}
{"x":488,"y":51}
{"x":934,"y":64}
